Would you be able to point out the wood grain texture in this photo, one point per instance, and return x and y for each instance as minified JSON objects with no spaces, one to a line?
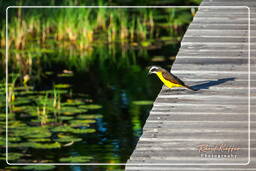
{"x":214,"y":58}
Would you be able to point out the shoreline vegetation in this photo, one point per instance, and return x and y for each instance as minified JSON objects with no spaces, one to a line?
{"x":80,"y":31}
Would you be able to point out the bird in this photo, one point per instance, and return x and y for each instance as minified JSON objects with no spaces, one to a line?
{"x":168,"y":78}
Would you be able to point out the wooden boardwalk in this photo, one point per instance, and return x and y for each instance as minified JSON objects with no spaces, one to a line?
{"x":213,"y":58}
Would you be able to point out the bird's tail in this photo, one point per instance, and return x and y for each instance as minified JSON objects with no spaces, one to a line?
{"x":190,"y":88}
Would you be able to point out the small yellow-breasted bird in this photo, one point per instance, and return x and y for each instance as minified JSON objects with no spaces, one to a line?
{"x":168,"y":78}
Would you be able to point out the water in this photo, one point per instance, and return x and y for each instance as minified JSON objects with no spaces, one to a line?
{"x":84,"y":106}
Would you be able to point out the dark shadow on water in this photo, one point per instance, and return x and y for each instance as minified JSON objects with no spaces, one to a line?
{"x":211,"y":83}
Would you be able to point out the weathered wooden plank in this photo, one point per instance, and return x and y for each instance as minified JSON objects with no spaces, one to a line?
{"x":214,"y":61}
{"x":228,"y":3}
{"x":232,"y":14}
{"x":224,"y":10}
{"x":217,"y":33}
{"x":218,"y":39}
{"x":219,"y":47}
{"x":220,"y":27}
{"x":236,"y":94}
{"x":215,"y":54}
{"x":179,"y":65}
{"x":198,"y":117}
{"x":222,"y":20}
{"x":187,"y":108}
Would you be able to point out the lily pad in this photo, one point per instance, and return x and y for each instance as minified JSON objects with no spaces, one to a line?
{"x":62,"y":86}
{"x":66,"y":117}
{"x":142,"y":102}
{"x":41,"y":145}
{"x":76,"y":159}
{"x":76,"y":123}
{"x":66,"y":138}
{"x":72,"y":110}
{"x":90,"y":116}
{"x":145,"y":43}
{"x":33,"y":132}
{"x":65,"y":75}
{"x":83,"y":131}
{"x":91,"y":106}
{"x":39,"y":139}
{"x":39,"y":167}
{"x":14,"y":156}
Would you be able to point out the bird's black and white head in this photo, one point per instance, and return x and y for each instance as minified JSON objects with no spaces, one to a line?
{"x":154,"y":70}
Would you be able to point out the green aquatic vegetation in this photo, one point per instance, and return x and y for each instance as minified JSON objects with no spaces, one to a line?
{"x":2,"y":141}
{"x":3,"y":116}
{"x":37,"y":145}
{"x":89,"y":116}
{"x":39,"y":167}
{"x":90,"y":106}
{"x":142,"y":102}
{"x":73,"y":102}
{"x":80,"y":30}
{"x":62,"y":86}
{"x":65,"y":75}
{"x":67,"y":138}
{"x":14,"y":156}
{"x":69,"y":129}
{"x":14,"y":139}
{"x":66,"y":118}
{"x":11,"y":87}
{"x":76,"y":159}
{"x":39,"y":139}
{"x":32,"y":132}
{"x":59,"y":91}
{"x":13,"y":124}
{"x":77,"y":123}
{"x":11,"y":156}
{"x":42,"y":112}
{"x":83,"y":131}
{"x":68,"y":111}
{"x":63,"y":128}
{"x":145,"y":43}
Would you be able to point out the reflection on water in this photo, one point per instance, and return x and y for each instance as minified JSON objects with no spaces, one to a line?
{"x":72,"y":106}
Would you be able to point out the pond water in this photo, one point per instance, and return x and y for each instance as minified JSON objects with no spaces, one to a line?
{"x":84,"y":106}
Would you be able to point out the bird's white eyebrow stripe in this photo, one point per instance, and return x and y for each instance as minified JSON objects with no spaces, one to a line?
{"x":153,"y":67}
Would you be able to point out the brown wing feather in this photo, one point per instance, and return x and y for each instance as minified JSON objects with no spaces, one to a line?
{"x":172,"y":78}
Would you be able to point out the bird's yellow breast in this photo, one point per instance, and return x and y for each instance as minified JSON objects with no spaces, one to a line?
{"x":166,"y":82}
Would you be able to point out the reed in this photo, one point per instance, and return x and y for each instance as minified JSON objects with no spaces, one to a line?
{"x":79,"y":31}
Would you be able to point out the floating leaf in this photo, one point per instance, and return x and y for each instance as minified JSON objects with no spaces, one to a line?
{"x":39,"y":167}
{"x":72,"y":130}
{"x":62,"y":86}
{"x":142,"y":102}
{"x":91,"y":106}
{"x":66,"y":117}
{"x":40,"y":145}
{"x":72,"y":110}
{"x":83,"y":131}
{"x":39,"y":139}
{"x":76,"y":159}
{"x":65,"y":75}
{"x":32,"y":132}
{"x":91,"y":116}
{"x":77,"y":123}
{"x":145,"y":43}
{"x":67,"y":138}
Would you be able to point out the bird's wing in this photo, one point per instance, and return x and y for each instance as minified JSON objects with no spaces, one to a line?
{"x":172,"y":78}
